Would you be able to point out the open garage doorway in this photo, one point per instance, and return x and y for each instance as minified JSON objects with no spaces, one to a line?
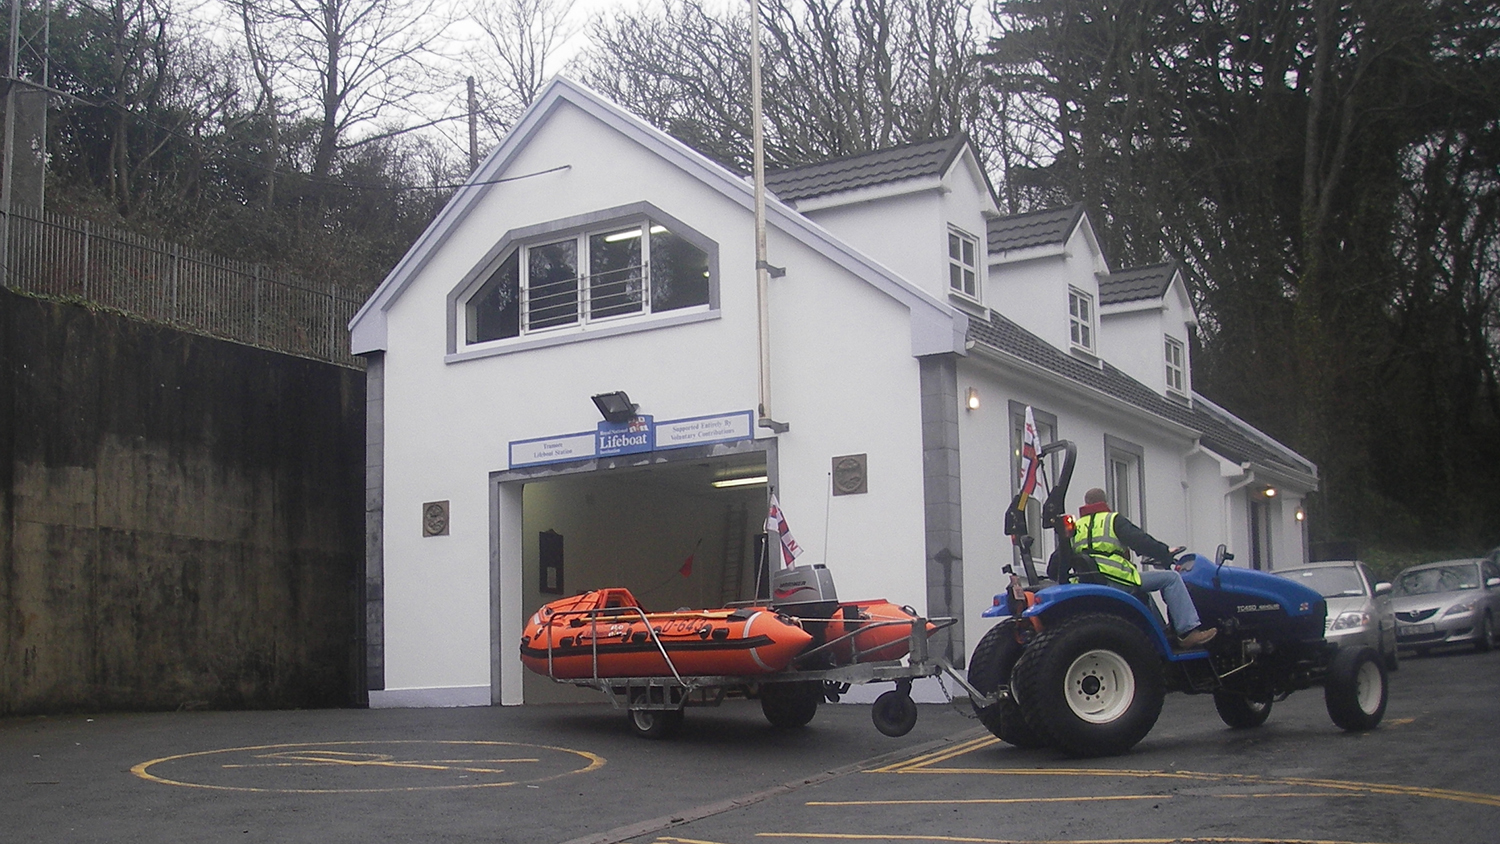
{"x":677,"y":532}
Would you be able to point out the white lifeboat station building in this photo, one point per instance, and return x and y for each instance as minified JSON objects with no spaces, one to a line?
{"x":564,"y":387}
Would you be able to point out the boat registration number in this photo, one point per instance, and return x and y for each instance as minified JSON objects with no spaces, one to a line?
{"x":1414,"y":630}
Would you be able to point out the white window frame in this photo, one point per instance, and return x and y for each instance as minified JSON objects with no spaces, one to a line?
{"x":1125,"y":478}
{"x":1083,"y":329}
{"x":515,"y":245}
{"x":963,"y":267}
{"x":1175,"y":352}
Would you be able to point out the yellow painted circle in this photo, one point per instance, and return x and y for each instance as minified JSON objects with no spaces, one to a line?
{"x":355,"y":767}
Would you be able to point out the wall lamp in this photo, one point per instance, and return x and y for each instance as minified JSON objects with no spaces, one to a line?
{"x":1270,"y":492}
{"x":615,"y":407}
{"x":971,"y":399}
{"x":1300,"y":515}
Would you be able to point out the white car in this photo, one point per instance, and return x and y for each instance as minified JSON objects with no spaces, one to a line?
{"x":1447,"y":603}
{"x":1359,"y":607}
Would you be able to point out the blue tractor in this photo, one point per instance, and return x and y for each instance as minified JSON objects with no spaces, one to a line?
{"x":1081,"y":665}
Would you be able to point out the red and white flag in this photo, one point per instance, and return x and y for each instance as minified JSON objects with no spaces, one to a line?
{"x":776,"y":523}
{"x":1031,"y":446}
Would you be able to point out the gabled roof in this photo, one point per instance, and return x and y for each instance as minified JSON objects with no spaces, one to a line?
{"x":1219,"y":431}
{"x":1136,"y":285}
{"x":936,"y":326}
{"x":1052,"y":227}
{"x":927,"y":159}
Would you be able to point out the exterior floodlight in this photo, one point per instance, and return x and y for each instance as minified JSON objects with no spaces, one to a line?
{"x":1270,"y":492}
{"x":971,"y":398}
{"x":615,"y":407}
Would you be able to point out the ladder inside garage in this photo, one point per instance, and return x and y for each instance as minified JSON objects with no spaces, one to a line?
{"x":734,"y":554}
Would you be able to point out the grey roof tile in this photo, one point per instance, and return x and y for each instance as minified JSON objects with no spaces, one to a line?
{"x":1136,"y":285}
{"x":913,"y":161}
{"x":1038,"y":228}
{"x":1216,"y":433}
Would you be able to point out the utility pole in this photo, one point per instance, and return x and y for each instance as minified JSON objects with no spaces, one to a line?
{"x":473,"y":128}
{"x":12,"y":67}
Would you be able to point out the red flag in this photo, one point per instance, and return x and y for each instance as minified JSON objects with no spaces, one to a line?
{"x":686,"y":569}
{"x":776,"y":523}
{"x":1031,"y":445}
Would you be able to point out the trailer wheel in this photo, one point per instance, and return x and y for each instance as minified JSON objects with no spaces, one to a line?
{"x":790,"y":704}
{"x":894,"y":713}
{"x":990,"y":668}
{"x":1240,"y":712}
{"x":653,"y":723}
{"x":1356,"y":689}
{"x":1092,"y":684}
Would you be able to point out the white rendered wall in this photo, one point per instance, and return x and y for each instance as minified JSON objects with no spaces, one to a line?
{"x":843,"y":377}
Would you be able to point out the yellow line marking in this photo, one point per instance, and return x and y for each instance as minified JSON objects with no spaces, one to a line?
{"x":317,"y":754}
{"x":986,"y":800}
{"x":1310,"y":782}
{"x":671,"y":840}
{"x":1397,"y":722}
{"x":850,"y":836}
{"x":936,"y":756}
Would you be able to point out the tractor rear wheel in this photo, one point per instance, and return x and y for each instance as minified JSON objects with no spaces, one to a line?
{"x":1092,"y":684}
{"x":989,"y":669}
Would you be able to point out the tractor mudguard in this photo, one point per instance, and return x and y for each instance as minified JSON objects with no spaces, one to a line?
{"x":1065,"y":597}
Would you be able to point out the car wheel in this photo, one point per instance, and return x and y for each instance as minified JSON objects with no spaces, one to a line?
{"x":1092,"y":685}
{"x":790,"y":704}
{"x":1356,"y":689}
{"x":1240,"y":712}
{"x":990,"y":668}
{"x":1485,"y":641}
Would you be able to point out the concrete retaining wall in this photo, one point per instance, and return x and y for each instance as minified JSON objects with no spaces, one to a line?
{"x":181,"y":519}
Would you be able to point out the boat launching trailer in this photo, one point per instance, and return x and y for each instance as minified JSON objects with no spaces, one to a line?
{"x":790,"y":697}
{"x":800,"y":649}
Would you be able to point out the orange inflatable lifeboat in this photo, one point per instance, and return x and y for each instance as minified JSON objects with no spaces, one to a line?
{"x":605,"y":633}
{"x":882,"y":631}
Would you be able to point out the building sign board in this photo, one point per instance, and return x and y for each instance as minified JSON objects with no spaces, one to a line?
{"x":639,"y":435}
{"x":633,"y":437}
{"x":702,"y":430}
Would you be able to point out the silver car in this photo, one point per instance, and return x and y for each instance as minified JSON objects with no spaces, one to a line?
{"x":1359,"y":607}
{"x":1446,"y":603}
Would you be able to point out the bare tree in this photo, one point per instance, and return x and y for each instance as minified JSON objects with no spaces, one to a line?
{"x":841,"y":76}
{"x":349,"y":65}
{"x":519,"y":46}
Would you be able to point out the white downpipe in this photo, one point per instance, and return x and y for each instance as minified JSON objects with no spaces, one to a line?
{"x":1229,"y":493}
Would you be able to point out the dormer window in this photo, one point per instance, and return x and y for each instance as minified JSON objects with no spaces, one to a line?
{"x":963,"y":264}
{"x":1081,"y":319}
{"x":1176,"y":368}
{"x":610,"y":272}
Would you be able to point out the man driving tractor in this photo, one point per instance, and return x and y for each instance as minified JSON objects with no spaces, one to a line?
{"x":1109,"y":537}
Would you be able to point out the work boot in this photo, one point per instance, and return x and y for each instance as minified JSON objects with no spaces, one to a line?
{"x":1198,"y":638}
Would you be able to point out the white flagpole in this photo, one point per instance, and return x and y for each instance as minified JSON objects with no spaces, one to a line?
{"x":762,"y":268}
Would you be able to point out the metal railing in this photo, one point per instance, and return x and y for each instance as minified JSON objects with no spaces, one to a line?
{"x":68,"y":258}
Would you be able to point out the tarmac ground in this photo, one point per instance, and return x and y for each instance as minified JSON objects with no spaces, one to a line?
{"x":577,"y":774}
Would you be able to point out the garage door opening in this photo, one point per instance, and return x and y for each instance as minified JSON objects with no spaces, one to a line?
{"x":678,"y":533}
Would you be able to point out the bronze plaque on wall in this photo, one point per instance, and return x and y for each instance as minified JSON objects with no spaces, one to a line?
{"x":435,"y":518}
{"x":850,"y":475}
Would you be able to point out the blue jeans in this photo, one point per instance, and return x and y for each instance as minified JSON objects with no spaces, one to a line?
{"x":1179,"y":604}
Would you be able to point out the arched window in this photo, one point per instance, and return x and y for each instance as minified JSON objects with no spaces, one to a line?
{"x":616,"y":270}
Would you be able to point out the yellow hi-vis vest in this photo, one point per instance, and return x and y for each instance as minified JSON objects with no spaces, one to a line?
{"x":1094,"y":535}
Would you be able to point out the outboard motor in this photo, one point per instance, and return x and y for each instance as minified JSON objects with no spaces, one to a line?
{"x":806,"y":592}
